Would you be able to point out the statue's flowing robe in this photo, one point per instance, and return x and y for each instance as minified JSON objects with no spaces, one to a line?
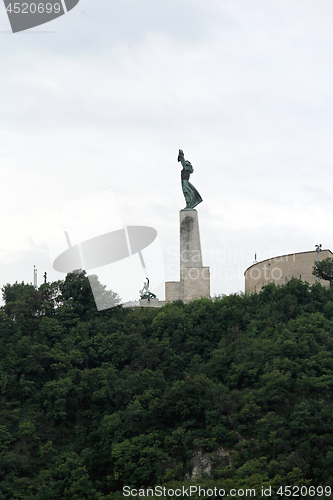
{"x":192,"y":196}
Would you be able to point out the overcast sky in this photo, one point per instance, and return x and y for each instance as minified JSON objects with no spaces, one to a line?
{"x":104,"y":96}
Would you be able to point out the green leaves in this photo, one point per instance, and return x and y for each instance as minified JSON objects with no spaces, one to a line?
{"x":139,"y":460}
{"x":324,"y":270}
{"x":92,"y":400}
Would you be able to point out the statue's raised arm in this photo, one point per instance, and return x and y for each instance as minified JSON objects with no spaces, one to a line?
{"x":192,"y":197}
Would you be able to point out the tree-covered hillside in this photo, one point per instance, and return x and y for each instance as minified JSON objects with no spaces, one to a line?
{"x":234,"y":392}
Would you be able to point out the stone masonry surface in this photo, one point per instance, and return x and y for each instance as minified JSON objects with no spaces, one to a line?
{"x":281,"y":269}
{"x":194,"y":277}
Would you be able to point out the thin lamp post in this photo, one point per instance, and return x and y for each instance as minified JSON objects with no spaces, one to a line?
{"x":318,"y":250}
{"x":35,"y":277}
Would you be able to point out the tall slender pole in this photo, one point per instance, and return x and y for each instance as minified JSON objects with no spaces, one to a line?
{"x":35,"y":277}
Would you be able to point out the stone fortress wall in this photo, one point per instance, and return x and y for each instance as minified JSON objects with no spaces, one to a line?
{"x":281,"y":269}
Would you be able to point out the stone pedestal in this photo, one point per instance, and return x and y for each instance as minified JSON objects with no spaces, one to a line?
{"x":172,"y":291}
{"x":194,"y":277}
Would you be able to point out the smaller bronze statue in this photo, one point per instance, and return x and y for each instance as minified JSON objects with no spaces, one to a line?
{"x":192,"y":197}
{"x":145,"y":293}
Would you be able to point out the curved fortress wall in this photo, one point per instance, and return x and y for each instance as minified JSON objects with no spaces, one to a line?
{"x":281,"y":269}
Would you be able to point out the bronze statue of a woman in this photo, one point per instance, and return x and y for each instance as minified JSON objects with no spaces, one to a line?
{"x":192,"y":197}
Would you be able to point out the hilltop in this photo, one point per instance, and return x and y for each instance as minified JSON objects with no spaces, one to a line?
{"x":233,"y":392}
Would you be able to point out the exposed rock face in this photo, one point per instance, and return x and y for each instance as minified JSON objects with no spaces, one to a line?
{"x":202,"y":462}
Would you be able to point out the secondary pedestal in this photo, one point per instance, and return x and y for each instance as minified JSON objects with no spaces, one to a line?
{"x":194,"y":277}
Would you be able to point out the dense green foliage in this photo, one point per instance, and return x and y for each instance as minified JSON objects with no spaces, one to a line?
{"x":324,"y":270}
{"x":92,"y":401}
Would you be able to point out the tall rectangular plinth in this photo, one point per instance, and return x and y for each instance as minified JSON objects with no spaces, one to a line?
{"x":190,"y":247}
{"x":194,"y":278}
